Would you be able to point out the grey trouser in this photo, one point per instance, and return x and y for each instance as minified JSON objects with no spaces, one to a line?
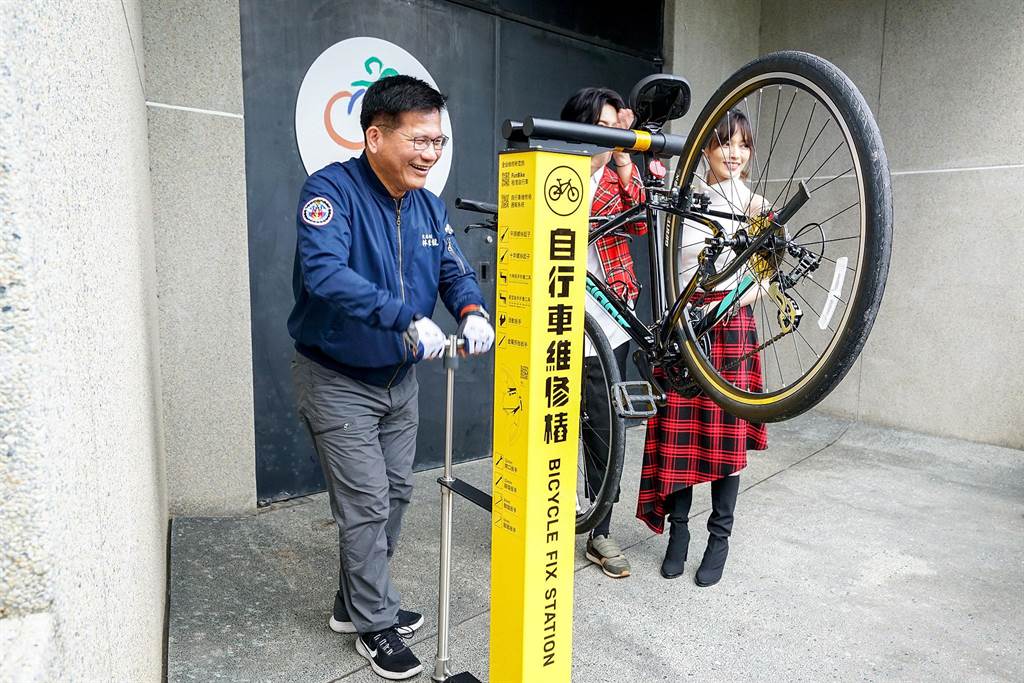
{"x":365,"y":437}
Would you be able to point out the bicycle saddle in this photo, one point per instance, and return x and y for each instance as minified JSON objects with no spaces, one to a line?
{"x":659,"y":98}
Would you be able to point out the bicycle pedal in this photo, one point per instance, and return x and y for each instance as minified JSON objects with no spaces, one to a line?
{"x":634,"y":399}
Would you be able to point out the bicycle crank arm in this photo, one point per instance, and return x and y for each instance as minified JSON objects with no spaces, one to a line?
{"x":644,"y":366}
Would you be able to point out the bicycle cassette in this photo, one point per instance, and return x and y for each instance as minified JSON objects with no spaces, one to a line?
{"x":764,"y":262}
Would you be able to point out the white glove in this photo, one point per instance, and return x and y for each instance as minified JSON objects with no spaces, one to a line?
{"x":478,"y":333}
{"x":424,"y":336}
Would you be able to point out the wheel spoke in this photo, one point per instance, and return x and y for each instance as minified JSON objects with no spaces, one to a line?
{"x":832,"y":154}
{"x":813,"y":309}
{"x":796,"y":349}
{"x":771,"y":147}
{"x":809,"y":149}
{"x":809,"y":345}
{"x":825,"y":241}
{"x":753,"y":149}
{"x":769,"y":333}
{"x":803,"y":140}
{"x":599,"y":450}
{"x":815,"y":282}
{"x":782,"y":158}
{"x":834,"y":178}
{"x":852,"y":270}
{"x":839,"y":213}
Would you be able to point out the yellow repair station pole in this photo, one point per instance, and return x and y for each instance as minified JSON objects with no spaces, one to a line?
{"x":544,"y":203}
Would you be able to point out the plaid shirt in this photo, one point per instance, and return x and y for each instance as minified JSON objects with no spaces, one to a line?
{"x":611,"y":198}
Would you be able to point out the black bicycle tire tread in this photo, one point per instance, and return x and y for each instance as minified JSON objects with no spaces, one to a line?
{"x":878,"y":235}
{"x":616,"y":456}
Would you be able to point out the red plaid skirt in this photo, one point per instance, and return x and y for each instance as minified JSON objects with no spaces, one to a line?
{"x":692,"y":440}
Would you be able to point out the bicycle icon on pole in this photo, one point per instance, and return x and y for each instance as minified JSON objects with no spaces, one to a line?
{"x":371,"y":64}
{"x":560,"y":187}
{"x":563,"y":190}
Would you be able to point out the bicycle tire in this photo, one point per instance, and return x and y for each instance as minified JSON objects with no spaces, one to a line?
{"x":818,"y":80}
{"x":611,"y":468}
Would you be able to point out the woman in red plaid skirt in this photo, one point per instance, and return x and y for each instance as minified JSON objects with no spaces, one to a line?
{"x":692,"y":440}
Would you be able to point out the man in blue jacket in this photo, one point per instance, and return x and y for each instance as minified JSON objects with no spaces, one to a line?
{"x":374,"y":251}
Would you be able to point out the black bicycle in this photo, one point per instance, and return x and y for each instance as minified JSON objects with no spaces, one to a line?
{"x":806,"y":246}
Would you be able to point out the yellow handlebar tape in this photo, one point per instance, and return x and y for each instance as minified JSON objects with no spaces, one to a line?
{"x":643,"y":140}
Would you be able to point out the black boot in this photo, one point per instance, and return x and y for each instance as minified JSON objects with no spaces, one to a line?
{"x":723,"y":504}
{"x":679,"y":533}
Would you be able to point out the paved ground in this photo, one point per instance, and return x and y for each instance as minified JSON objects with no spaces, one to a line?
{"x":858,"y":553}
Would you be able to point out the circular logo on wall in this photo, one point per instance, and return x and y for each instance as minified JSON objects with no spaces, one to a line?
{"x":563,"y":190}
{"x":330,"y":100}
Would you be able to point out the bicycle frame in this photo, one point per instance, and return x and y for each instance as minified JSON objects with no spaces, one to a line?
{"x":656,"y":341}
{"x":653,"y":340}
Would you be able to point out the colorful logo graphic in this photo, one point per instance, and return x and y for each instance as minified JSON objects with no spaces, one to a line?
{"x":330,"y":100}
{"x":317,"y":212}
{"x":353,"y":97}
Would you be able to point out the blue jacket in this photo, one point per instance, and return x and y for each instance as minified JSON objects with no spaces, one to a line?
{"x":365,"y":263}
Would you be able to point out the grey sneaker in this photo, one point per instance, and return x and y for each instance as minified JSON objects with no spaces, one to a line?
{"x":604,"y":552}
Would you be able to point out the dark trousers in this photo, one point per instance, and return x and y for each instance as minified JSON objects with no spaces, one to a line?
{"x":596,"y":431}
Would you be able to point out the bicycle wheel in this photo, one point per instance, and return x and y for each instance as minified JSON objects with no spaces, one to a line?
{"x":819,"y":278}
{"x":602,"y":432}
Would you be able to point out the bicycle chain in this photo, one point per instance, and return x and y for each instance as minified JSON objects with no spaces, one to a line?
{"x":732,"y":364}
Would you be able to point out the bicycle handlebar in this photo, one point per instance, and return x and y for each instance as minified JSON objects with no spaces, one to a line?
{"x":602,"y":136}
{"x":473,"y":205}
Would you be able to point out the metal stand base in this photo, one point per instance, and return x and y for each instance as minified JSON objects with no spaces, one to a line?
{"x":449,"y":486}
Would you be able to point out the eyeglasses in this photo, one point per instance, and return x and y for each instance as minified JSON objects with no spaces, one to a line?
{"x":420,"y":143}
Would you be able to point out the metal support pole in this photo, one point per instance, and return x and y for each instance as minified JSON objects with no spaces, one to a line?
{"x":451,"y":362}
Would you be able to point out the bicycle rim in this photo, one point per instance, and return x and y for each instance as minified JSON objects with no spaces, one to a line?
{"x":600,"y":450}
{"x":821,"y":275}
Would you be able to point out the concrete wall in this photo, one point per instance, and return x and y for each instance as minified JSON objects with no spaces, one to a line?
{"x":196,"y":136}
{"x":705,"y":42}
{"x":945,"y":81}
{"x":83,"y":519}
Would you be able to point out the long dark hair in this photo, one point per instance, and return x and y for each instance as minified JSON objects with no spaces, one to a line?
{"x":586,"y":105}
{"x":733,"y":122}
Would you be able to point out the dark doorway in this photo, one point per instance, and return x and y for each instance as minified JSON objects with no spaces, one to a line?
{"x":495,"y":60}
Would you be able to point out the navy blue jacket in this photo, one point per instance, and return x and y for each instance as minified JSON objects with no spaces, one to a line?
{"x":365,"y":263}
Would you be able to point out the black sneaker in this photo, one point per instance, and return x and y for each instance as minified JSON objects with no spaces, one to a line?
{"x":388,"y":655}
{"x":407,"y":624}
